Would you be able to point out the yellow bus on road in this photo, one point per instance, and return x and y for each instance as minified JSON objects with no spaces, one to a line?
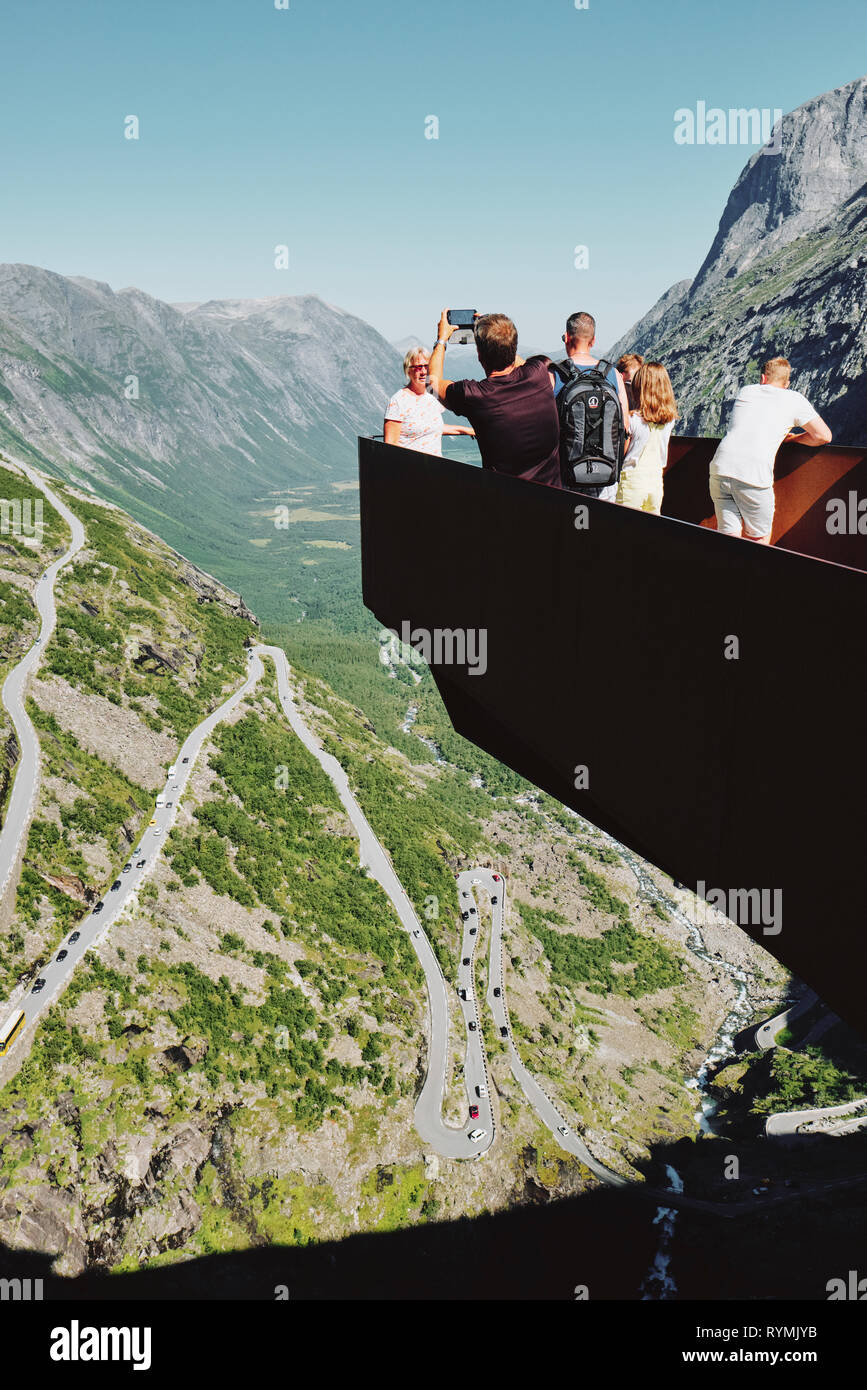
{"x":11,"y":1028}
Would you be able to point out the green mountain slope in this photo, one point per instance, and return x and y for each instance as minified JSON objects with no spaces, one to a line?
{"x":238,"y":1061}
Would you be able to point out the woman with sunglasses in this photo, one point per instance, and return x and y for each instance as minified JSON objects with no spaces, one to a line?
{"x":413,"y":417}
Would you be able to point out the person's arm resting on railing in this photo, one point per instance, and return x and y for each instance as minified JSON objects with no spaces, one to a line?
{"x":814,"y":433}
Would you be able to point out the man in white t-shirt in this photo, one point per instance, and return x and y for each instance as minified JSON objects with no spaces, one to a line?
{"x":742,"y":469}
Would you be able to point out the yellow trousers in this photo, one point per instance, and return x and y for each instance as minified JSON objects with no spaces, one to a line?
{"x":641,"y":487}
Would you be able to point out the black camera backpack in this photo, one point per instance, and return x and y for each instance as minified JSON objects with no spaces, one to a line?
{"x":591,"y":426}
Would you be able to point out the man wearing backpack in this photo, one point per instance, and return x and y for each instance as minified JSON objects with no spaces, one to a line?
{"x":594,"y":414}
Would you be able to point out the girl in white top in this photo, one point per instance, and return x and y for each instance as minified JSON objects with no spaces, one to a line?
{"x":413,"y":417}
{"x":651,"y":426}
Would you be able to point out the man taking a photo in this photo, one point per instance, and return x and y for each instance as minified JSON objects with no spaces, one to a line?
{"x":512,"y":411}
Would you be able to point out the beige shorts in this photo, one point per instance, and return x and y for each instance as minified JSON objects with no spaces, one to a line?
{"x":741,"y":508}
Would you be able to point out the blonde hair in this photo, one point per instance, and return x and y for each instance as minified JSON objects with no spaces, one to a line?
{"x":655,"y":398}
{"x":410,"y":357}
{"x":496,"y":342}
{"x":777,"y":369}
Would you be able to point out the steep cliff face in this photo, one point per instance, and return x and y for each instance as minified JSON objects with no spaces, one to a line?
{"x":778,"y":198}
{"x":785,"y":275}
{"x":807,"y":301}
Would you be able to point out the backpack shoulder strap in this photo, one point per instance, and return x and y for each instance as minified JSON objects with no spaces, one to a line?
{"x":563,"y":369}
{"x":603,"y":366}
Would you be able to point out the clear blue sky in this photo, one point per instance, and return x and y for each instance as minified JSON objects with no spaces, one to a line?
{"x":306,"y":126}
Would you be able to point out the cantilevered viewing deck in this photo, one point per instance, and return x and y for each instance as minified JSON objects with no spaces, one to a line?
{"x":697,"y":696}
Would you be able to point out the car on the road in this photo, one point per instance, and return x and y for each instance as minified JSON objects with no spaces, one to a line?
{"x":115,"y":885}
{"x":140,"y":863}
{"x":465,"y":961}
{"x":185,"y":760}
{"x":473,"y":931}
{"x":61,"y":955}
{"x":169,"y":805}
{"x":472,"y":910}
{"x":153,"y":820}
{"x":477,"y":1134}
{"x":497,"y":991}
{"x":465,"y":893}
{"x":75,"y":936}
{"x":158,"y":830}
{"x":127,"y":867}
{"x":40,"y":984}
{"x":474,"y":1112}
{"x":172,"y":771}
{"x":472,"y":1025}
{"x":504,"y":1032}
{"x":99,"y":906}
{"x":495,"y":877}
{"x":136,"y":851}
{"x":464,"y":916}
{"x":481,"y":1089}
{"x":563,"y":1129}
{"x":495,"y":900}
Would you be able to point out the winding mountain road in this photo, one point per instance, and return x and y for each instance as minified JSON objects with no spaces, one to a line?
{"x":23,"y":796}
{"x":448,"y":1141}
{"x":93,"y":928}
{"x":766,"y":1033}
{"x":544,"y":1107}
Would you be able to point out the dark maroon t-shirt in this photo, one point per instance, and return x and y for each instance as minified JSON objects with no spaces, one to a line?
{"x":515,"y":420}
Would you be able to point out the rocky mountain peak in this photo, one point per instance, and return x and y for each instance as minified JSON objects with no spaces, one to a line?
{"x":779,"y":197}
{"x":785,"y":275}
